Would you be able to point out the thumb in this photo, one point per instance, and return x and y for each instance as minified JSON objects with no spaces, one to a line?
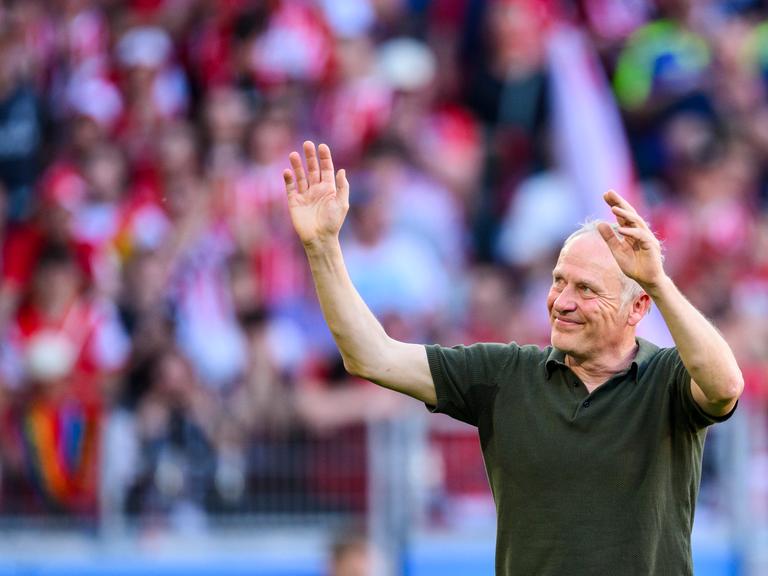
{"x":342,"y":187}
{"x":608,"y":235}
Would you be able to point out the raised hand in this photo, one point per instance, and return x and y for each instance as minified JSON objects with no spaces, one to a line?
{"x":636,"y":249}
{"x":318,"y":201}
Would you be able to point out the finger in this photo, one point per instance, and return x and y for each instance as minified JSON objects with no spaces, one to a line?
{"x":326,"y":163}
{"x":342,"y":187}
{"x":313,"y":168}
{"x":298,"y":170}
{"x":290,"y":182}
{"x":626,"y":217}
{"x":641,"y":236}
{"x":613,"y":198}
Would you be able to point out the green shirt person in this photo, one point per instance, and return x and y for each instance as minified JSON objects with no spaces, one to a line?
{"x":593,"y":445}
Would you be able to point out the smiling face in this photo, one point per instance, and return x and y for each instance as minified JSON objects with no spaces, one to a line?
{"x":586,"y":309}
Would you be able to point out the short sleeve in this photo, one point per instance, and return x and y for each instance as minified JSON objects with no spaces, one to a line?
{"x":688,"y":412}
{"x":465,"y":377}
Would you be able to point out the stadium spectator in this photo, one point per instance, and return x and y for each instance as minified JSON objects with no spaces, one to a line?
{"x":61,"y":191}
{"x":507,"y":86}
{"x":60,"y":359}
{"x":21,"y":128}
{"x":175,"y":422}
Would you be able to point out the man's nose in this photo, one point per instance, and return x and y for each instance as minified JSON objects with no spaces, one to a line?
{"x":565,"y":301}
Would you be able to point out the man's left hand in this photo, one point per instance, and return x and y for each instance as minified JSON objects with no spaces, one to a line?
{"x":636,"y":249}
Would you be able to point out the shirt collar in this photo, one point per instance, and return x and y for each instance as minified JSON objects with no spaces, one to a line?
{"x":645,"y":351}
{"x":555,"y":358}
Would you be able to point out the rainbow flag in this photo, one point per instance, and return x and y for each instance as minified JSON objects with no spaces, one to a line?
{"x":60,"y":441}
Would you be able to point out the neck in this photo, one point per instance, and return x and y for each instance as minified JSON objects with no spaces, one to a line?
{"x":595,"y":371}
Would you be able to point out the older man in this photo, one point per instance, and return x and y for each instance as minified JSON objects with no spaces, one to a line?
{"x":593,"y":445}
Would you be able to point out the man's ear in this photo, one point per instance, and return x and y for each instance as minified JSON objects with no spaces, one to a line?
{"x":640,"y":307}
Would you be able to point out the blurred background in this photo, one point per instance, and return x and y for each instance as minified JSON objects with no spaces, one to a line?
{"x":171,"y":401}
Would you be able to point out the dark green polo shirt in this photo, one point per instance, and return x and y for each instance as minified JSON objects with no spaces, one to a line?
{"x":584,"y":484}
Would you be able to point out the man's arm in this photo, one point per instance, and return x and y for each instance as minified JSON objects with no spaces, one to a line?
{"x":716,"y":380}
{"x":318,"y":202}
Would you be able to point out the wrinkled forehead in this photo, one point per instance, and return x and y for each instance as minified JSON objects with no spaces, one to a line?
{"x":588,"y":255}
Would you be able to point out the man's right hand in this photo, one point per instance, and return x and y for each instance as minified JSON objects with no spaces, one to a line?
{"x":318,"y":201}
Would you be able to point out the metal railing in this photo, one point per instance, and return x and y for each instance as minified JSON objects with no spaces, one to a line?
{"x":397,"y":479}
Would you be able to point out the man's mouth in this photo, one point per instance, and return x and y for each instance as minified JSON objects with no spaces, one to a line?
{"x":566,"y":321}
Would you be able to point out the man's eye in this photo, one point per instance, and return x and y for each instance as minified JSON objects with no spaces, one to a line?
{"x":585,"y":289}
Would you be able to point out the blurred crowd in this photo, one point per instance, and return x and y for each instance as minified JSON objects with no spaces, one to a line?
{"x":160,"y":332}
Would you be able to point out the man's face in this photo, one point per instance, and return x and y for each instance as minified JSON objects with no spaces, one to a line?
{"x":584,"y":302}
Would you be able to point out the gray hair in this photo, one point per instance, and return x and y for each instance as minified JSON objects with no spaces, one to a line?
{"x":630,"y":289}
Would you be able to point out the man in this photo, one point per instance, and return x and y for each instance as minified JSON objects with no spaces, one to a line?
{"x":593,"y":445}
{"x":352,"y":555}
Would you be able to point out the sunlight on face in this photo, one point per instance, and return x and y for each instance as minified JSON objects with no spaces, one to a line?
{"x":584,"y":302}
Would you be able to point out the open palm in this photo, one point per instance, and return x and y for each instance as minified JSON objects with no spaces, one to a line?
{"x":318,"y":201}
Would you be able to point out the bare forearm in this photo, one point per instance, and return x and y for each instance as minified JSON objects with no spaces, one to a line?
{"x":357,"y":332}
{"x":366,"y":348}
{"x":704,"y":352}
{"x":318,"y":201}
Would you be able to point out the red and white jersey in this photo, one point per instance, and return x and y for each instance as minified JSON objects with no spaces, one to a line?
{"x":84,"y":342}
{"x":297,"y":45}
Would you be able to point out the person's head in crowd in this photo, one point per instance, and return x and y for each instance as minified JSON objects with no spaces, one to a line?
{"x":737,"y":84}
{"x":143,"y":51}
{"x":490,"y":303}
{"x":351,"y":555}
{"x":691,"y":143}
{"x":169,"y":408}
{"x":385,"y":162}
{"x":408,"y":68}
{"x":94,"y":105}
{"x":50,"y":355}
{"x":61,"y":193}
{"x":143,"y":285}
{"x":226,"y":117}
{"x":183,"y":184}
{"x":56,"y":281}
{"x":105,"y":172}
{"x":178,"y":152}
{"x":173,"y":379}
{"x":85,"y":135}
{"x":369,"y":211}
{"x":246,"y":295}
{"x":450,"y":148}
{"x":185,"y":199}
{"x":354,"y":58}
{"x":517,"y":35}
{"x":271,"y":134}
{"x":391,"y":17}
